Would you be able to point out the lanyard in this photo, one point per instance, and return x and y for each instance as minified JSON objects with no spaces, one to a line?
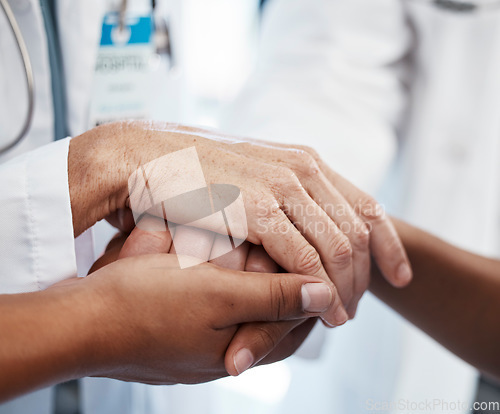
{"x":56,"y":69}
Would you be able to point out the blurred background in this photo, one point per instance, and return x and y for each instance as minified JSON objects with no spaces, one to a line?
{"x":213,"y":54}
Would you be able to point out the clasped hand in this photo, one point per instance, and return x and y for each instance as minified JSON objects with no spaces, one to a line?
{"x":299,"y":194}
{"x":199,"y":324}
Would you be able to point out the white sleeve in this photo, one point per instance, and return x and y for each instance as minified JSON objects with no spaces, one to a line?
{"x":328,"y":76}
{"x":37,"y":247}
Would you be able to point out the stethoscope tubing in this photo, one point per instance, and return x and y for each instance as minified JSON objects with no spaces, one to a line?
{"x":28,"y":70}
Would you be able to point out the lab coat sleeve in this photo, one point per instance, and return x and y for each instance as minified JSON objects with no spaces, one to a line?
{"x":37,"y":243}
{"x":328,"y":75}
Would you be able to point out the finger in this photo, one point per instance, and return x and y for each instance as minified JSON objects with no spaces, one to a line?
{"x":111,"y":254}
{"x":116,"y":242}
{"x":295,"y":254}
{"x":340,"y":211}
{"x":253,"y":342}
{"x":353,"y":282}
{"x":333,"y":246}
{"x":386,"y":246}
{"x":258,"y":261}
{"x":224,"y":255}
{"x":289,"y":345}
{"x":261,"y":297}
{"x":353,"y":307}
{"x":151,"y":236}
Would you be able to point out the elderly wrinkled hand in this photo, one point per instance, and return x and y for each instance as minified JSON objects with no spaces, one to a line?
{"x":308,"y":219}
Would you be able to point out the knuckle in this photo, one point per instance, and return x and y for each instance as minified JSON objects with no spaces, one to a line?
{"x":307,"y":165}
{"x":312,"y":152}
{"x":342,"y":250}
{"x":266,"y":335}
{"x":392,"y":246}
{"x":278,"y":297}
{"x":285,"y":181}
{"x":279,"y":224}
{"x":284,"y":175}
{"x":361,"y":237}
{"x":268,"y":209}
{"x":309,"y":150}
{"x":307,"y":261}
{"x":369,"y":208}
{"x":291,"y":182}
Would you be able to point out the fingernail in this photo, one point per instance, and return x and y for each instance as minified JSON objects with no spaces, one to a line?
{"x":316,"y":297}
{"x":404,"y":273}
{"x":327,"y":324}
{"x":340,"y":317}
{"x":243,"y":360}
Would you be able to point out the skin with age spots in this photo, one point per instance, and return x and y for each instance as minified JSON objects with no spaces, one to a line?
{"x":118,"y":322}
{"x":303,"y":204}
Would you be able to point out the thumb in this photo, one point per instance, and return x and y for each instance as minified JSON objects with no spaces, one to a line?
{"x":265,"y":342}
{"x":265,"y":297}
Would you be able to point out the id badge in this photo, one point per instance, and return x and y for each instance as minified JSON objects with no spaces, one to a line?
{"x":122,"y":82}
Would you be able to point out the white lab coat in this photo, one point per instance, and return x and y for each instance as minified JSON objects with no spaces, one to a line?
{"x":37,"y":243}
{"x":353,"y":79}
{"x":350,"y":109}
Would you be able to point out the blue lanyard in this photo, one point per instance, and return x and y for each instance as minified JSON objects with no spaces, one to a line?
{"x":56,"y":69}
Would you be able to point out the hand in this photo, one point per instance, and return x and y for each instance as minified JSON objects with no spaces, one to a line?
{"x":385,"y":244}
{"x":292,"y":209}
{"x":260,"y":342}
{"x":141,"y":319}
{"x":168,"y":325}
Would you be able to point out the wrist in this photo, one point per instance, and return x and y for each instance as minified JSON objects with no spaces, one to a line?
{"x":98,"y":171}
{"x":84,"y":314}
{"x":93,"y":342}
{"x":101,"y":160}
{"x":109,"y":344}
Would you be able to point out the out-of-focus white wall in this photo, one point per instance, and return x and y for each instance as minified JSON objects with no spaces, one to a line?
{"x":214,"y":48}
